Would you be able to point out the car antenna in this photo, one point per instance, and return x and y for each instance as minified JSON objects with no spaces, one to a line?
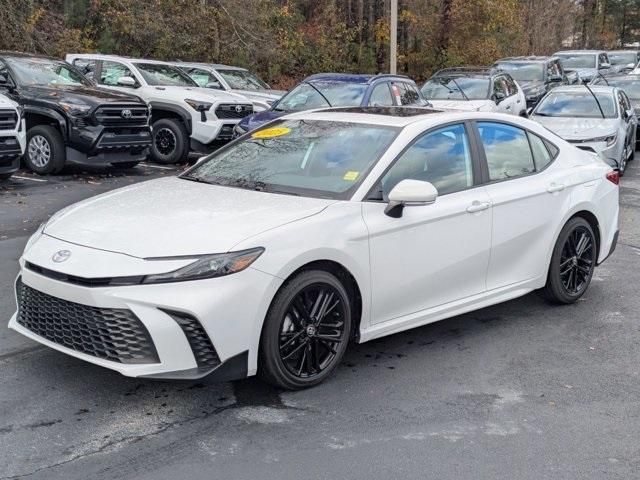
{"x":320,"y":93}
{"x":603,"y":78}
{"x":596,"y":99}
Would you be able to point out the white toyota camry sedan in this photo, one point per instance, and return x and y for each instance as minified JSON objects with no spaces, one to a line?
{"x":321,"y":228}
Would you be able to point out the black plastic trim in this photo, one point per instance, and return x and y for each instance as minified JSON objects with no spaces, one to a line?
{"x":614,"y":244}
{"x":181,"y":112}
{"x":234,"y":368}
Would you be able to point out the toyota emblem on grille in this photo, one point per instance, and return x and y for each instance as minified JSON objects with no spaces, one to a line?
{"x":238,"y":108}
{"x":126,"y":113}
{"x":61,"y":256}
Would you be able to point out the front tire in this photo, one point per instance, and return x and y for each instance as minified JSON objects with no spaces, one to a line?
{"x":170,"y":141}
{"x":572,"y":263}
{"x":45,"y":151}
{"x":306,"y":332}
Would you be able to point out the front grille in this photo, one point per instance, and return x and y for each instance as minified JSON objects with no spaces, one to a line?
{"x":125,"y":139}
{"x":225,"y":133}
{"x":114,"y":334}
{"x":8,"y":119}
{"x":122,"y":115}
{"x":200,"y":343}
{"x":232,"y":110}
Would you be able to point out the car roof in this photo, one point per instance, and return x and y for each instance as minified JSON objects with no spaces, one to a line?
{"x":9,"y":53}
{"x":621,"y":76}
{"x":353,"y":78}
{"x":468,"y":72}
{"x":528,"y":59}
{"x":102,"y":56}
{"x":581,"y":88}
{"x":590,"y":52}
{"x":214,"y":66}
{"x":623,"y":51}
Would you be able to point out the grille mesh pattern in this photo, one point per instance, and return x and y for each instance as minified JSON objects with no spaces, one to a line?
{"x":200,"y":343}
{"x":122,"y":115}
{"x":109,"y":333}
{"x":232,"y":111}
{"x":8,"y":119}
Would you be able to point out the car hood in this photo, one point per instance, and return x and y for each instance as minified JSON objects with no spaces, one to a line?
{"x":7,"y":102}
{"x":533,"y":87}
{"x":251,"y":122}
{"x":585,"y":72}
{"x":174,"y":217}
{"x":464,"y":105}
{"x":92,"y":96}
{"x":193,"y":93}
{"x":578,"y":128}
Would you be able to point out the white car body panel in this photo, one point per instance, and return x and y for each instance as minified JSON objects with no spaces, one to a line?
{"x":203,"y":132}
{"x":465,"y":105}
{"x":434,"y":262}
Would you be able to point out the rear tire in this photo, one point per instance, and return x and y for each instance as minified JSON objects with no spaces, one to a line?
{"x":306,"y":331}
{"x":45,"y":151}
{"x":572,"y":263}
{"x":170,"y":142}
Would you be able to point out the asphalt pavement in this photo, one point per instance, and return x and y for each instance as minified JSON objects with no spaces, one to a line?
{"x":521,"y":390}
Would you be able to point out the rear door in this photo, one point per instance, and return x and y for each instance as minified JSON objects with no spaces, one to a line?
{"x":110,"y":72}
{"x":529,"y":194}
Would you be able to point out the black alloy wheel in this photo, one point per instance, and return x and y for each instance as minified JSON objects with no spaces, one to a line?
{"x":306,"y":331}
{"x":572,"y":262}
{"x":165,"y":141}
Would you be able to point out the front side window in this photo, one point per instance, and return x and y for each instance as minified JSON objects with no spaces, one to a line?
{"x":157,"y":74}
{"x":623,"y":58}
{"x":44,"y":71}
{"x":303,"y":157}
{"x":499,"y":89}
{"x":441,"y":157}
{"x":407,"y":94}
{"x":86,"y":66}
{"x":204,"y":79}
{"x":307,"y":96}
{"x":456,"y":88}
{"x":112,"y":72}
{"x":242,"y":80}
{"x":579,"y":60}
{"x":381,"y":96}
{"x":506,"y":149}
{"x":576,"y":104}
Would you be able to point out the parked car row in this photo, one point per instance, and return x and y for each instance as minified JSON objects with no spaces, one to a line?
{"x":111,"y":110}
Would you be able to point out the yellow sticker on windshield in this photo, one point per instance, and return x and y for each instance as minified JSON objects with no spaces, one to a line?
{"x":271,"y":132}
{"x":351,"y":176}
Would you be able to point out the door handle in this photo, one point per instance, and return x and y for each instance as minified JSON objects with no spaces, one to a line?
{"x":556,"y":187}
{"x":508,"y":107}
{"x":477,"y":206}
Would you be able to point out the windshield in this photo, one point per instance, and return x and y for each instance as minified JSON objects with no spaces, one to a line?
{"x":242,"y":80}
{"x":43,"y":71}
{"x":578,"y":60}
{"x":576,"y":104}
{"x":623,"y":58}
{"x":157,"y":74}
{"x":312,"y":158}
{"x":321,"y":95}
{"x":448,"y":88}
{"x":523,"y":72}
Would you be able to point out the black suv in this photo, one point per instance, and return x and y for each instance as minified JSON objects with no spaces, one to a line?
{"x":536,"y":75}
{"x":69,"y":119}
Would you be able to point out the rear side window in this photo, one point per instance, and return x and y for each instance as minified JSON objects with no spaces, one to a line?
{"x":541,"y":155}
{"x":507,"y":150}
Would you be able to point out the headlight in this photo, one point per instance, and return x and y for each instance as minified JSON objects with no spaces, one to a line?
{"x":209,"y":266}
{"x":609,"y":139}
{"x":75,"y":109}
{"x":198,"y":105}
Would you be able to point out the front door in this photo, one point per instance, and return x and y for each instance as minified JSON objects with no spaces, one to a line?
{"x":433,"y":254}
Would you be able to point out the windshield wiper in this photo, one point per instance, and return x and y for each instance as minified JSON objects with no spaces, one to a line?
{"x":196,"y":179}
{"x":464,"y":95}
{"x":596,"y":99}
{"x":319,"y":93}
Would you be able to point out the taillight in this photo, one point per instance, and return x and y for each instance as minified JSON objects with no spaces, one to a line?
{"x":613,"y":176}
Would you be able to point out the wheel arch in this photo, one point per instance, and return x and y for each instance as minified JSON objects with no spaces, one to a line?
{"x":35,"y":116}
{"x":161,"y":110}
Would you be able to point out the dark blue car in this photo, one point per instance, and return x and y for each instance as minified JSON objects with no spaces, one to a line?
{"x":324,"y":90}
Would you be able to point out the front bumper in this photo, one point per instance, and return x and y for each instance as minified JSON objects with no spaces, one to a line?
{"x":216,"y":311}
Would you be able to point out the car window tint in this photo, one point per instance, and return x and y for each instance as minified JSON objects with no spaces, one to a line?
{"x":381,"y":96}
{"x":86,"y":66}
{"x":441,"y":157}
{"x":112,"y":72}
{"x":541,"y":154}
{"x":506,"y":149}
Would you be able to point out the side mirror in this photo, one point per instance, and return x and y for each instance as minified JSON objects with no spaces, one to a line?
{"x":127,"y":82}
{"x":529,"y":111}
{"x":214,"y":85}
{"x":604,"y":66}
{"x":629,"y":113}
{"x":410,"y":193}
{"x":498,"y":98}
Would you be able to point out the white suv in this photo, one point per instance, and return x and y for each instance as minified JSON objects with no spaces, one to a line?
{"x":12,"y":137}
{"x":180,"y":109}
